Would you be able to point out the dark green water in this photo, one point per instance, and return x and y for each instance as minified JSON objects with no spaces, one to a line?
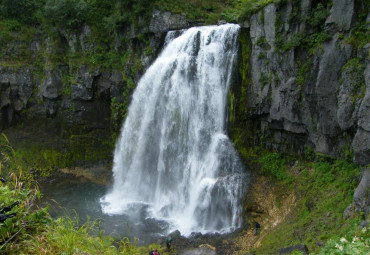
{"x":71,"y":197}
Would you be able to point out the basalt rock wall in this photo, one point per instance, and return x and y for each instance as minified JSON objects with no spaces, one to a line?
{"x":303,"y":86}
{"x":59,"y":81}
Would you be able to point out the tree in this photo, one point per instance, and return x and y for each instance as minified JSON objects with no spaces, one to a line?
{"x":65,"y":14}
{"x":26,"y":11}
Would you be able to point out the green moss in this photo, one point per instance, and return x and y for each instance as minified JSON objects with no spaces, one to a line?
{"x":304,"y":71}
{"x":265,"y":79}
{"x":354,"y":70}
{"x":79,"y":147}
{"x":262,"y":42}
{"x":274,"y":165}
{"x":360,"y":34}
{"x":205,"y":11}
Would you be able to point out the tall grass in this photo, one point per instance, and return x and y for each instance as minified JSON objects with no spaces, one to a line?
{"x":33,"y":231}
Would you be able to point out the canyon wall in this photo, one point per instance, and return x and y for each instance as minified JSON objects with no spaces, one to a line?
{"x":302,"y":82}
{"x":303,"y":85}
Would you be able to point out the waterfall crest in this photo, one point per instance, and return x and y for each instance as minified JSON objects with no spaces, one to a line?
{"x":173,"y":155}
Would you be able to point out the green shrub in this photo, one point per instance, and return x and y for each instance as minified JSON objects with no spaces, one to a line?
{"x":323,"y":189}
{"x":65,"y":14}
{"x":317,"y":17}
{"x":26,"y":11}
{"x":274,"y":165}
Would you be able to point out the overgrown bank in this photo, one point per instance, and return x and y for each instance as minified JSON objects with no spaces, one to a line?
{"x":295,"y":200}
{"x":304,"y":201}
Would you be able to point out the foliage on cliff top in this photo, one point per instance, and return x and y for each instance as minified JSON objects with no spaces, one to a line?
{"x":71,"y":14}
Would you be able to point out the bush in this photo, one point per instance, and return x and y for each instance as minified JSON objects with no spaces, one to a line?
{"x":274,"y":165}
{"x":26,"y":11}
{"x":66,"y":14}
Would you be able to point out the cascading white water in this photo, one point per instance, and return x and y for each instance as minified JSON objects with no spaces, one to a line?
{"x":173,"y":155}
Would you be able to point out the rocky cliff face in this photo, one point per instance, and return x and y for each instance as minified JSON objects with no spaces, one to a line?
{"x":55,"y":87}
{"x":303,"y":85}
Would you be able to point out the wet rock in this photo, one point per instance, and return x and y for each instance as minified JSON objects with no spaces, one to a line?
{"x":204,"y":250}
{"x":299,"y":247}
{"x":175,"y":234}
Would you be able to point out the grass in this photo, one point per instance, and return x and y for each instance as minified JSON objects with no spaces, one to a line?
{"x":33,"y":231}
{"x":324,"y":189}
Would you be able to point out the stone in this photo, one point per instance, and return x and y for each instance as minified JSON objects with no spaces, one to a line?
{"x":175,"y":233}
{"x":84,"y":77}
{"x":306,"y":6}
{"x":51,"y":107}
{"x":348,"y":108}
{"x":80,"y":92}
{"x":361,"y":147}
{"x":164,"y":21}
{"x":269,"y":13}
{"x":361,"y":197}
{"x":341,"y":16}
{"x":16,"y":89}
{"x":84,"y":38}
{"x":364,"y":111}
{"x":51,"y":87}
{"x":244,"y":24}
{"x":285,"y":105}
{"x":364,"y":224}
{"x":204,"y":250}
{"x":298,"y":247}
{"x":324,"y":99}
{"x":285,"y":12}
{"x":104,"y":84}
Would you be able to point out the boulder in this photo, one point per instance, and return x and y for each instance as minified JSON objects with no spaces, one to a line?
{"x":203,"y":250}
{"x":298,"y":247}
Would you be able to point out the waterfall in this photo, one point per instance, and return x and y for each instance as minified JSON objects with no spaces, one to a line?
{"x":173,"y":155}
